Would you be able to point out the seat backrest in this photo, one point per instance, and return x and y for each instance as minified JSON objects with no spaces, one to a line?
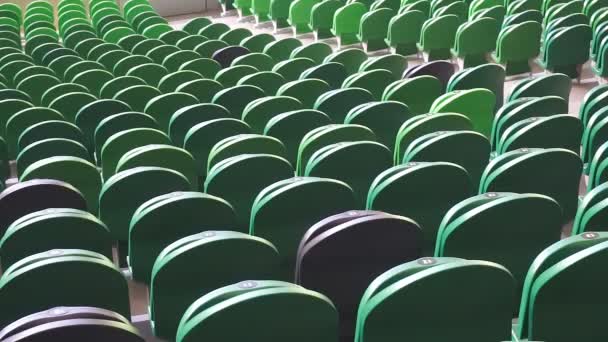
{"x":551,"y":84}
{"x":442,"y":70}
{"x":383,"y":118}
{"x":353,"y":238}
{"x":257,"y":113}
{"x":490,"y":76}
{"x":347,"y":18}
{"x":590,"y":214}
{"x":478,"y":104}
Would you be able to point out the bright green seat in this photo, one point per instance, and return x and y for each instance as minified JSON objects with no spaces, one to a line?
{"x":299,"y":15}
{"x":258,"y":112}
{"x":47,"y":148}
{"x":116,"y":123}
{"x":176,"y":60}
{"x":321,"y":18}
{"x":524,"y":171}
{"x":591,"y":212}
{"x":214,"y":30}
{"x":203,"y":89}
{"x":317,"y":51}
{"x":418,"y":93}
{"x":375,"y":81}
{"x":90,"y":279}
{"x":257,"y":42}
{"x":297,"y":203}
{"x":594,"y":100}
{"x":191,"y":42}
{"x":404,"y":32}
{"x":337,"y":103}
{"x":236,"y":98}
{"x":566,"y":49}
{"x":230,"y":76}
{"x":342,"y":161}
{"x":291,"y":69}
{"x":291,"y":127}
{"x":124,"y":65}
{"x":422,"y":191}
{"x":281,"y":50}
{"x":137,"y":97}
{"x":22,"y":120}
{"x":201,"y":138}
{"x":172,"y":37}
{"x":78,"y":172}
{"x":306,"y":91}
{"x":242,"y":144}
{"x":91,"y":115}
{"x":562,"y":268}
{"x":49,"y":229}
{"x":261,"y":10}
{"x":488,"y":76}
{"x":383,"y":118}
{"x":258,"y":60}
{"x":512,"y":216}
{"x":318,"y":138}
{"x":437,"y":36}
{"x":196,"y":24}
{"x":351,"y":58}
{"x":373,"y":29}
{"x":279,"y":13}
{"x":159,"y":53}
{"x":346,"y":23}
{"x":479,"y":291}
{"x":559,"y":131}
{"x":478,"y":104}
{"x":546,"y":85}
{"x":170,"y":299}
{"x":516,"y":45}
{"x":597,"y":168}
{"x":475,"y":40}
{"x":226,"y":180}
{"x":170,"y":157}
{"x":206,"y":67}
{"x":207,"y":317}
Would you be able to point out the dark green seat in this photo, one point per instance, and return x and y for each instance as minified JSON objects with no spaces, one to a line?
{"x":22,"y":120}
{"x":208,"y":48}
{"x":61,"y":228}
{"x":321,"y":18}
{"x":281,"y":50}
{"x":206,"y":67}
{"x":162,"y":107}
{"x":524,"y":171}
{"x":297,"y":203}
{"x":566,"y":49}
{"x":479,"y":291}
{"x":114,"y":86}
{"x":78,"y":172}
{"x":196,"y":24}
{"x":501,"y":220}
{"x":225,"y":180}
{"x":123,"y":193}
{"x":340,"y":161}
{"x":404,"y":32}
{"x":418,"y":93}
{"x":242,"y":144}
{"x":422,"y":191}
{"x":306,"y":91}
{"x":36,"y":85}
{"x":332,"y":73}
{"x":475,"y":40}
{"x":8,"y":108}
{"x":489,"y":76}
{"x":150,"y":73}
{"x":290,"y":128}
{"x":71,"y":103}
{"x":375,"y":81}
{"x":338,"y":103}
{"x":394,"y":63}
{"x":91,"y":115}
{"x":47,"y":148}
{"x":351,"y":58}
{"x":268,"y":81}
{"x":187,"y":117}
{"x":317,"y":51}
{"x":191,"y":42}
{"x":383,"y":118}
{"x":203,"y":89}
{"x":176,"y":60}
{"x":346,"y":23}
{"x":291,"y":69}
{"x":137,"y":96}
{"x":373,"y":29}
{"x":257,"y":42}
{"x":230,"y":76}
{"x":236,"y":98}
{"x":516,"y":45}
{"x":91,"y":280}
{"x":260,"y":61}
{"x":267,"y":299}
{"x":201,"y":138}
{"x":116,"y":123}
{"x":214,"y":30}
{"x":170,"y":299}
{"x":124,"y":65}
{"x":258,"y":112}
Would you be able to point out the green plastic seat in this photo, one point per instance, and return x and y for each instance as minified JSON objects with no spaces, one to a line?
{"x":124,"y":192}
{"x":559,"y":131}
{"x":375,"y":81}
{"x":422,"y":191}
{"x":196,"y":24}
{"x":70,"y":104}
{"x":124,"y":65}
{"x":236,"y":98}
{"x":299,"y":15}
{"x":418,"y":93}
{"x":169,"y":300}
{"x":437,"y":36}
{"x":174,"y":80}
{"x":321,"y":18}
{"x":317,"y":51}
{"x":306,"y":91}
{"x":8,"y":108}
{"x":480,"y":291}
{"x":268,"y":81}
{"x":351,"y":58}
{"x":206,"y":67}
{"x":279,"y":13}
{"x":203,"y":89}
{"x":475,"y":40}
{"x":47,"y":148}
{"x":346,"y":23}
{"x":298,"y":203}
{"x":339,"y":161}
{"x":537,"y":217}
{"x":383,"y":118}
{"x":191,"y":42}
{"x":89,"y":116}
{"x":596,"y":168}
{"x":258,"y":112}
{"x":137,"y":96}
{"x":516,"y":45}
{"x":187,"y":117}
{"x":282,"y":49}
{"x":525,"y":172}
{"x":176,"y":60}
{"x":290,"y":128}
{"x":150,"y":73}
{"x":162,"y":107}
{"x":489,"y":76}
{"x":172,"y":37}
{"x":266,"y":298}
{"x":91,"y":280}
{"x":564,"y":266}
{"x":478,"y":104}
{"x":518,"y":18}
{"x":214,"y":30}
{"x":257,"y":42}
{"x":114,"y":86}
{"x":261,"y":10}
{"x":235,"y":36}
{"x":332,"y":73}
{"x":230,"y":76}
{"x":120,"y":122}
{"x":145,"y":46}
{"x":36,"y":85}
{"x":373,"y":29}
{"x":47,"y":130}
{"x":258,"y":60}
{"x":78,"y":172}
{"x":159,"y":53}
{"x":291,"y":69}
{"x":591,"y":212}
{"x":201,"y":138}
{"x":394,"y":63}
{"x":22,"y":120}
{"x":226,"y":180}
{"x":122,"y":142}
{"x":592,"y":102}
{"x":244,"y":144}
{"x":337,"y":103}
{"x":208,"y":48}
{"x":565,"y":49}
